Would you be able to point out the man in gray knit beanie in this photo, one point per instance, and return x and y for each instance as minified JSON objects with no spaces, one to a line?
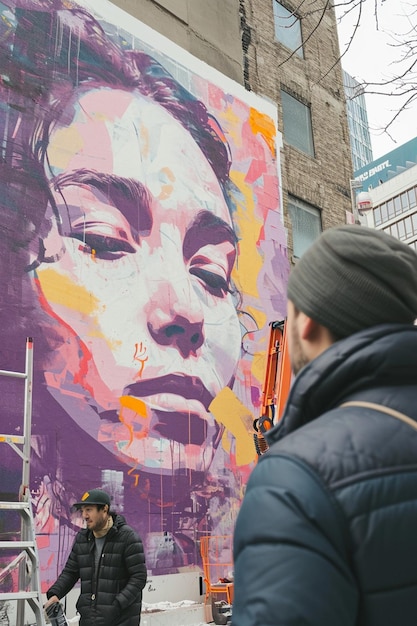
{"x":354,"y":277}
{"x":326,"y":533}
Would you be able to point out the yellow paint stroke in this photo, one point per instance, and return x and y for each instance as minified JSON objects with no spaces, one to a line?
{"x":229,"y":411}
{"x":249,"y":260}
{"x":62,"y":290}
{"x":258,"y":365}
{"x":166,"y":192}
{"x":230,"y":119}
{"x":262,"y":124}
{"x":60,"y":155}
{"x":168,"y":187}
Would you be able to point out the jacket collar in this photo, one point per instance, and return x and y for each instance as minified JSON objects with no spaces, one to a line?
{"x":378,"y":356}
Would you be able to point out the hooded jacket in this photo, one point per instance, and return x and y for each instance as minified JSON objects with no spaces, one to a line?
{"x":112,"y":596}
{"x":327,"y":533}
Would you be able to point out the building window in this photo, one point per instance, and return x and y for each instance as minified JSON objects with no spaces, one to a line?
{"x":394,"y":231}
{"x":404,"y":202}
{"x":296,"y":118}
{"x":288,"y":28}
{"x":394,"y":207}
{"x":408,"y":227}
{"x":401,"y":230}
{"x":412,"y":197}
{"x":306,"y":225}
{"x":391,"y":210}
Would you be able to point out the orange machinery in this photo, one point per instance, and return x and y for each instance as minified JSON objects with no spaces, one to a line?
{"x":276,"y":384}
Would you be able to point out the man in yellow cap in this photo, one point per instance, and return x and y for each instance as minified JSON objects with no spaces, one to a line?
{"x":108,"y":558}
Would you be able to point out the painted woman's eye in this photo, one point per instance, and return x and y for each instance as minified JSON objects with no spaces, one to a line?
{"x":215,"y":283}
{"x":106,"y":248}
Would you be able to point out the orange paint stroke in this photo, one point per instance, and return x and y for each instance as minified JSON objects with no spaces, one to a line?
{"x":140,"y":351}
{"x":135,"y":476}
{"x":139,"y":409}
{"x":135,"y":404}
{"x":263,"y":124}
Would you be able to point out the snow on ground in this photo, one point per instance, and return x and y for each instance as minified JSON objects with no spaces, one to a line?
{"x":148,"y":609}
{"x":167,"y":606}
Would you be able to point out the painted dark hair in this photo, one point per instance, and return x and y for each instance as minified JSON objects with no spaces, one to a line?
{"x":51,"y":51}
{"x":48,"y":52}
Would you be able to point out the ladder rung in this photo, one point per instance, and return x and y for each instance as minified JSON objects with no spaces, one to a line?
{"x":13,"y":374}
{"x":15,"y":506}
{"x":20,"y":552}
{"x":17,"y":545}
{"x":20,"y":595}
{"x":12,"y":439}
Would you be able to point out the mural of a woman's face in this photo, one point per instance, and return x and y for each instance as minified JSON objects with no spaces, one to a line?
{"x":140,"y":271}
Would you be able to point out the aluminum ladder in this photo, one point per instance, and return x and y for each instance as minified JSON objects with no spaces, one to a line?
{"x":26,"y":563}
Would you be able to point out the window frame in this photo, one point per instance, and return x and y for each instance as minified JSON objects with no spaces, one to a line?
{"x":294,"y":30}
{"x":297,"y":204}
{"x":292,"y":132}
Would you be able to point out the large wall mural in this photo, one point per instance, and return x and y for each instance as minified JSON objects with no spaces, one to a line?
{"x":142,"y":247}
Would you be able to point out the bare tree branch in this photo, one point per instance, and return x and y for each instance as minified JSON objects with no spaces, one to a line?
{"x":399,"y":78}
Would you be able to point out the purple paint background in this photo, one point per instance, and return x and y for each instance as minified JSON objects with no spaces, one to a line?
{"x":172,"y":511}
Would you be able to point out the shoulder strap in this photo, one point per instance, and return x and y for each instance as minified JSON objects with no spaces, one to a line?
{"x":383,"y":409}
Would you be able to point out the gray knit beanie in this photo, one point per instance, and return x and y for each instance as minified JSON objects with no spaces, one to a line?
{"x":353,"y":277}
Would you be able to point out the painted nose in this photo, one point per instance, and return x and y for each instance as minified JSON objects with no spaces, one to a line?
{"x":176,"y":316}
{"x":180,"y":332}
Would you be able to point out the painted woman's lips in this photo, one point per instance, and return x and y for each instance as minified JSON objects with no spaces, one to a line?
{"x":188,"y":387}
{"x":182,"y":426}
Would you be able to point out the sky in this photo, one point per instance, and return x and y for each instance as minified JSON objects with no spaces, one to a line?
{"x":372,"y":57}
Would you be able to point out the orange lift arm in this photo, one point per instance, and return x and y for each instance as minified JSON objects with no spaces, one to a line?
{"x":276,"y":384}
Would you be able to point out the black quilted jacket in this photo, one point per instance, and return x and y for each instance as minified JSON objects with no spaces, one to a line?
{"x":116,"y":598}
{"x":327,"y":533}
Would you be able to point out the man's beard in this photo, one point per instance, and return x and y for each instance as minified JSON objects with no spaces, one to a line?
{"x":298,"y":358}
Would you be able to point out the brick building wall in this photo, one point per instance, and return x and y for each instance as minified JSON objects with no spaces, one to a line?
{"x":237,"y":38}
{"x":210,"y":30}
{"x":316,"y":80}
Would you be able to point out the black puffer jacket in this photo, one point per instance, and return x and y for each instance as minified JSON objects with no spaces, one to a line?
{"x":116,"y":599}
{"x":327,"y":533}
